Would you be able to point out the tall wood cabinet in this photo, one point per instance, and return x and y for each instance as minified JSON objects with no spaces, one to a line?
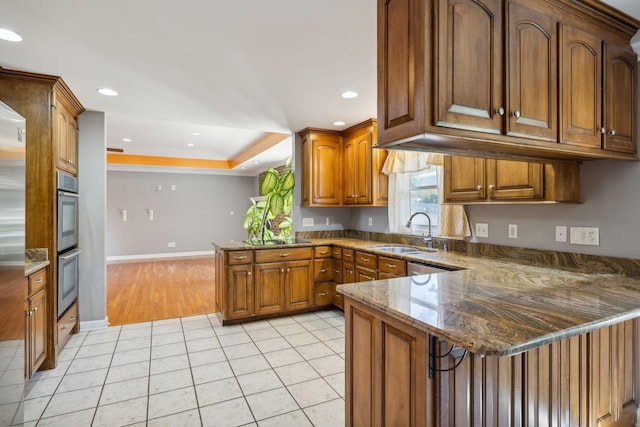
{"x":51,"y":111}
{"x":479,"y":180}
{"x":343,"y":168}
{"x":507,"y":78}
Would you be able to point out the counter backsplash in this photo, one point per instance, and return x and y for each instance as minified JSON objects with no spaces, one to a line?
{"x":567,"y":260}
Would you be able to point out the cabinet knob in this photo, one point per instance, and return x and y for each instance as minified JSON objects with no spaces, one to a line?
{"x":284,"y":255}
{"x":282,"y":270}
{"x":35,"y":309}
{"x":517,"y":114}
{"x":39,"y":280}
{"x":322,"y":294}
{"x":479,"y":187}
{"x":323,"y":270}
{"x":248,"y":273}
{"x":500,"y":111}
{"x":612,"y":132}
{"x":288,"y":270}
{"x":391,"y":265}
{"x":603,"y":130}
{"x":240,"y":257}
{"x":491,"y":187}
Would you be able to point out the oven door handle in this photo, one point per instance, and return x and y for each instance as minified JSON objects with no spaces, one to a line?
{"x":71,"y":254}
{"x":64,"y":193}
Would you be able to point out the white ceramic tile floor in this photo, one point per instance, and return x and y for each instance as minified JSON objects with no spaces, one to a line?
{"x":192,"y":371}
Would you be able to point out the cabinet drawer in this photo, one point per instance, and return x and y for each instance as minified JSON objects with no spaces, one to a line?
{"x":322,"y":251}
{"x":239,"y":257}
{"x":364,"y":274}
{"x":324,"y":293}
{"x":348,"y":255}
{"x":336,"y":253}
{"x":285,"y":254}
{"x":366,"y":259}
{"x":37,"y":281}
{"x":66,"y":325}
{"x":322,"y":269}
{"x":391,"y":265}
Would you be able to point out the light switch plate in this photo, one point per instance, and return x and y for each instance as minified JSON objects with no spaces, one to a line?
{"x":561,"y":233}
{"x":482,"y":229}
{"x":584,"y":236}
{"x":513,"y":231}
{"x":307,"y":222}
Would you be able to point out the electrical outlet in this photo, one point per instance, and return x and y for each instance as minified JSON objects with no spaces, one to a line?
{"x":327,"y":221}
{"x":307,"y":222}
{"x":168,"y":244}
{"x":561,"y":233}
{"x":584,"y":236}
{"x":370,"y":222}
{"x":173,"y":187}
{"x":513,"y":231}
{"x":482,"y":229}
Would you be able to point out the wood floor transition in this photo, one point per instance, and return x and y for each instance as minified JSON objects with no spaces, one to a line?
{"x":160,"y":289}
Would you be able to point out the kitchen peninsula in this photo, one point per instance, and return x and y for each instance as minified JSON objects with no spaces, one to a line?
{"x":495,"y":344}
{"x":497,"y":340}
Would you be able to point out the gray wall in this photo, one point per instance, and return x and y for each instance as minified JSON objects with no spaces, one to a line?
{"x":197,"y":213}
{"x":92,"y":188}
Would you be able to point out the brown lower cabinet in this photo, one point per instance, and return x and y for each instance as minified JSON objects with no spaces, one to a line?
{"x":35,"y":322}
{"x":586,"y":380}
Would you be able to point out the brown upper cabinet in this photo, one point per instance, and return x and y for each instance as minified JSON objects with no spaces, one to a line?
{"x":343,"y":168}
{"x":507,"y":78}
{"x":66,"y":131}
{"x":477,"y":180}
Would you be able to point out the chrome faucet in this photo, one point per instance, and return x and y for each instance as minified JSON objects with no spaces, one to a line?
{"x":428,"y":240}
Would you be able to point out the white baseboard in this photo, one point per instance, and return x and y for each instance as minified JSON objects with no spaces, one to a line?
{"x":91,"y":325}
{"x":159,"y":256}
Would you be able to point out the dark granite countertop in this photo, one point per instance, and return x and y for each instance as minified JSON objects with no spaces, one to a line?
{"x":493,"y":306}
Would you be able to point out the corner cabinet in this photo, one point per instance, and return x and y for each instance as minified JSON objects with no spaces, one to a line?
{"x":507,"y":78}
{"x":66,"y":132}
{"x":343,"y":168}
{"x":479,"y":180}
{"x":322,"y":167}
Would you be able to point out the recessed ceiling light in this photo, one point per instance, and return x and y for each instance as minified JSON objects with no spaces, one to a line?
{"x":349,"y":94}
{"x":107,"y":92}
{"x":10,"y":36}
{"x":190,"y":144}
{"x":195,"y":133}
{"x":243,"y":167}
{"x":255,"y":162}
{"x":339,"y":123}
{"x":126,"y":139}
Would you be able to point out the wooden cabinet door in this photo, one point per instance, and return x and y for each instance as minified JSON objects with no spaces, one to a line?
{"x":401,"y":68}
{"x":581,"y":90}
{"x":239,"y":291}
{"x":349,"y":274}
{"x":514,"y":180}
{"x":299,"y":287}
{"x":269,"y":288}
{"x":357,"y":169}
{"x":38,"y":329}
{"x":470,"y":87}
{"x":380,"y":180}
{"x":72,"y":146}
{"x":620,"y":99}
{"x":464,"y":179}
{"x":532,"y":74}
{"x":325,"y":170}
{"x":62,"y":126}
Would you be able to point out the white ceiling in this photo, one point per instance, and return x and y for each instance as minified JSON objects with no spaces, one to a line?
{"x":231,"y":70}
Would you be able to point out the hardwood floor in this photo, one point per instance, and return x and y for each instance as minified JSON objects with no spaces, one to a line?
{"x":154,"y":290}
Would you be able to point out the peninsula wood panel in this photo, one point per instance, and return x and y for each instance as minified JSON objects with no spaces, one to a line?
{"x":299,"y":285}
{"x":269,"y":288}
{"x":240,"y":291}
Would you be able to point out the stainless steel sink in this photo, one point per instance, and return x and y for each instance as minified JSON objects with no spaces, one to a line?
{"x":403,"y":249}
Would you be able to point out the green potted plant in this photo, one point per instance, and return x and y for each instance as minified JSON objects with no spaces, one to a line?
{"x":276,"y":191}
